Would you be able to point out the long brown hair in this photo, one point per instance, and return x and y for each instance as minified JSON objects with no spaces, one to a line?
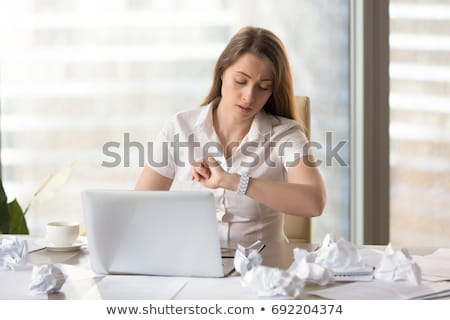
{"x":264,"y":44}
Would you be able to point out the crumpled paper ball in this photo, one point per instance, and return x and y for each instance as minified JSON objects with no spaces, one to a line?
{"x":305,"y":268}
{"x":268,"y":282}
{"x":13,"y":253}
{"x":46,"y":278}
{"x":398,"y":265}
{"x":339,"y":256}
{"x":247,"y":258}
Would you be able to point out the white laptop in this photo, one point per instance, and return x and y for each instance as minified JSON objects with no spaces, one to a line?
{"x":165,"y":233}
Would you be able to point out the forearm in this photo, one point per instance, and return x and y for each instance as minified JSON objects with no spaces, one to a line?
{"x":291,"y":198}
{"x":152,"y":180}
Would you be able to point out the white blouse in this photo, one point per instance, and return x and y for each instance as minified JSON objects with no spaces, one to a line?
{"x":270,"y":147}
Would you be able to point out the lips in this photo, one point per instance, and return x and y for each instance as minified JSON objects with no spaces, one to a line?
{"x":245,"y":109}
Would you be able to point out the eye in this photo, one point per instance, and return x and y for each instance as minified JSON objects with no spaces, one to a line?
{"x":264,"y":88}
{"x":240,"y":81}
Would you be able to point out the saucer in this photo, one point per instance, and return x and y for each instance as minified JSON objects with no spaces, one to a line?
{"x":74,"y":247}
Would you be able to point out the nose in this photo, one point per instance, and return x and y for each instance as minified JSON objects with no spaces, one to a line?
{"x":248,"y":95}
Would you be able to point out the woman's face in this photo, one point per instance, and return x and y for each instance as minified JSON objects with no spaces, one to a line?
{"x":246,"y":86}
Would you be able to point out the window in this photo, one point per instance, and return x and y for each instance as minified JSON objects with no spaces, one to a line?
{"x":420,"y":122}
{"x":76,"y":74}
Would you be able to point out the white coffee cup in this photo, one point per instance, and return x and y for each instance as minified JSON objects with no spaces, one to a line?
{"x":62,"y":233}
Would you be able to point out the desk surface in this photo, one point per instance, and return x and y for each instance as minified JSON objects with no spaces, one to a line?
{"x":82,"y":283}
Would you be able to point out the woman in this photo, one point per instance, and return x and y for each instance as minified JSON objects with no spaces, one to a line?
{"x":248,"y":148}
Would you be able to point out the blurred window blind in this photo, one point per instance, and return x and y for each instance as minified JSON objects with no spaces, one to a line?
{"x":76,"y":74}
{"x":420,"y":122}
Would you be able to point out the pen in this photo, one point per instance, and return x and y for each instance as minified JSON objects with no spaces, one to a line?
{"x":261,"y":248}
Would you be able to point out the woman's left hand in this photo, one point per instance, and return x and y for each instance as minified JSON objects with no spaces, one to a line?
{"x":208,"y":172}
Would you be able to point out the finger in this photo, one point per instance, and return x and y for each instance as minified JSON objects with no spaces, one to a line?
{"x":204,"y":171}
{"x":197,"y":163}
{"x":211,"y":162}
{"x":195,"y":175}
{"x":200,"y":172}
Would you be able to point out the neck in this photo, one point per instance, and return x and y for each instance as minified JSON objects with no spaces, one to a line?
{"x":229,"y":129}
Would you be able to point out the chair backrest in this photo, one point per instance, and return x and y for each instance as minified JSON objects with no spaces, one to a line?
{"x":298,"y":229}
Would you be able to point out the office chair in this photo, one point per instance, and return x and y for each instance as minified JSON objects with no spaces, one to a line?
{"x":298,"y":229}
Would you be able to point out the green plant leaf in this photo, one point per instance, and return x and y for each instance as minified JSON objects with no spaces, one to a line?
{"x":4,"y":215}
{"x":17,"y":222}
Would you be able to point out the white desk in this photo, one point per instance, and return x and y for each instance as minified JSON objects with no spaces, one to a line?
{"x":83,"y":284}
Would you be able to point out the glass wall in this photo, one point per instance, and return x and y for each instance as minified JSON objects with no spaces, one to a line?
{"x":77,"y":74}
{"x":420,"y":122}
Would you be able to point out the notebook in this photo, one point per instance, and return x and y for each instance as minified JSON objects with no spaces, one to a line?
{"x":364,"y":273}
{"x":164,"y":233}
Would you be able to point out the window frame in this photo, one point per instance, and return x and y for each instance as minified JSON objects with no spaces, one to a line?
{"x":369,"y":123}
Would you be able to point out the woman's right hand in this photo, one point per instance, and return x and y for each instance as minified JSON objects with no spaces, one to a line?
{"x":208,"y":172}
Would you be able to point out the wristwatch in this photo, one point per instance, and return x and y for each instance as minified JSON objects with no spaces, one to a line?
{"x":243,"y":184}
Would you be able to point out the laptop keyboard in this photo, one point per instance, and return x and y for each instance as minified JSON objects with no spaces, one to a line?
{"x":228,"y":266}
{"x":227,"y":252}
